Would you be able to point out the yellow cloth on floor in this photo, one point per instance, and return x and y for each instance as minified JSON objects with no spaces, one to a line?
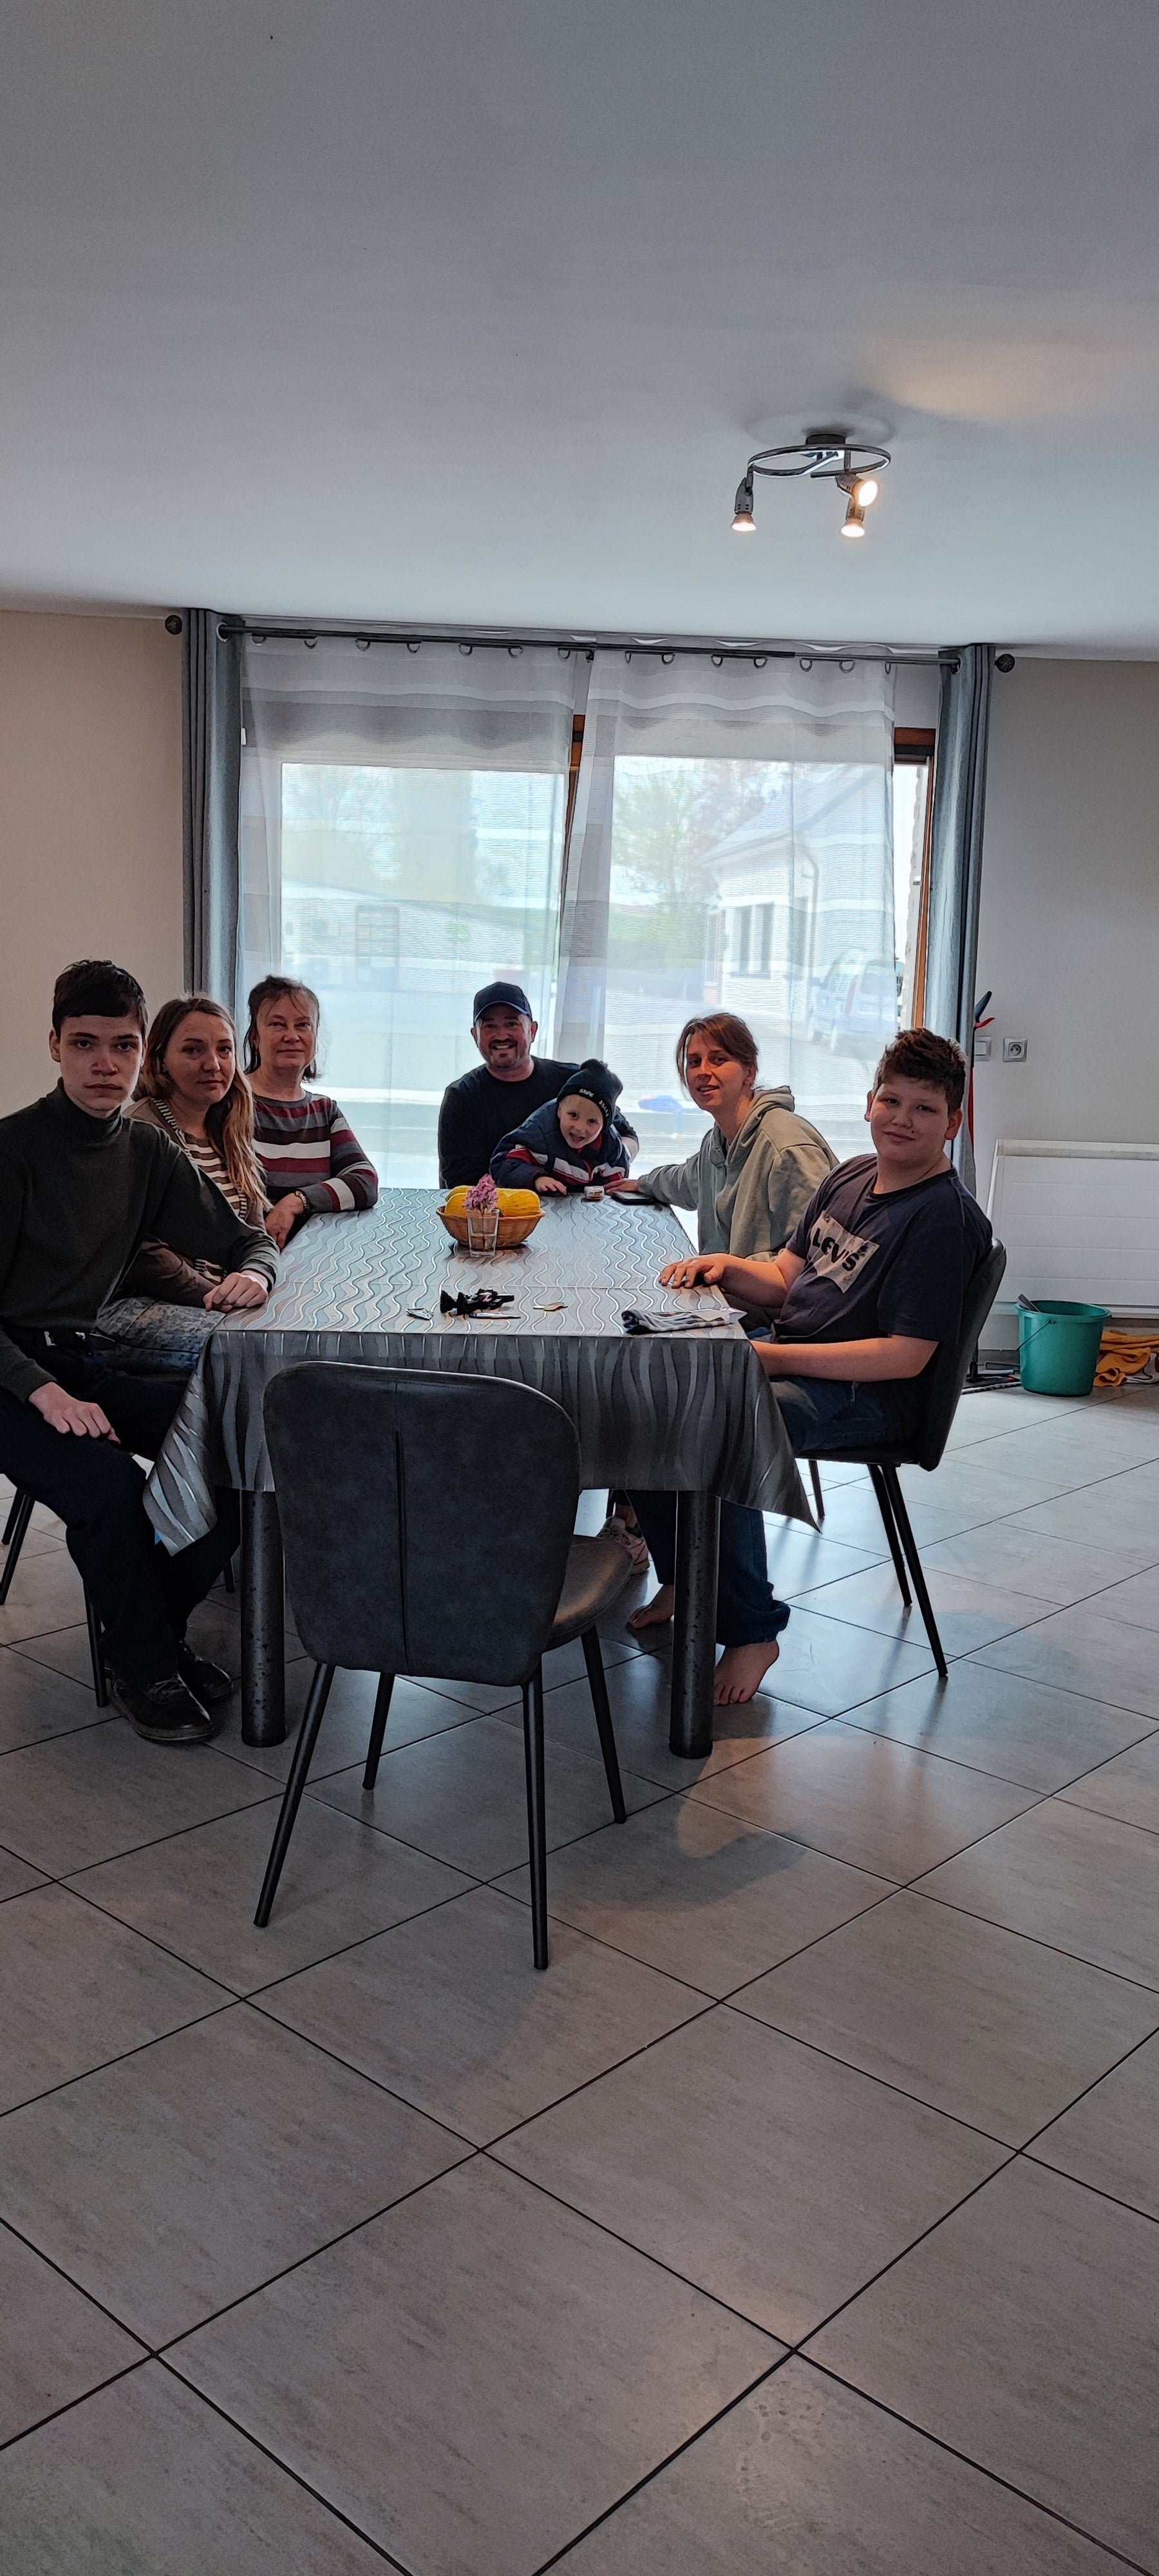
{"x":1123,"y":1354}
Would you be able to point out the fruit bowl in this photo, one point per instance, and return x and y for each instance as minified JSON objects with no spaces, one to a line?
{"x":515,"y":1222}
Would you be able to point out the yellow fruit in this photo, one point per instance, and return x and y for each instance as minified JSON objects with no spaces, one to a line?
{"x":457,"y":1201}
{"x":519,"y":1202}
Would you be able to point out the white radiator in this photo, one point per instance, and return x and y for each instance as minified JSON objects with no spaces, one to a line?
{"x":1078,"y":1221}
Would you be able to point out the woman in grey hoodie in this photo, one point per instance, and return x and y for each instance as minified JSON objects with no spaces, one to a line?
{"x":750,"y":1179}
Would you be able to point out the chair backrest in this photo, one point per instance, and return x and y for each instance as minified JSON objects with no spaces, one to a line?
{"x":426,"y":1517}
{"x":947,"y":1375}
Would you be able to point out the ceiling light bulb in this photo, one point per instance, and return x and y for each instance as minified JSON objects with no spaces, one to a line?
{"x":744,"y":524}
{"x":865,"y":490}
{"x":853,"y":524}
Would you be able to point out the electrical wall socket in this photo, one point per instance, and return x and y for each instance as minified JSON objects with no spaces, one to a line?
{"x":1015,"y":1050}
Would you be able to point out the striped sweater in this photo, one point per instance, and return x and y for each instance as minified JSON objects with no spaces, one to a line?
{"x":307,"y":1145}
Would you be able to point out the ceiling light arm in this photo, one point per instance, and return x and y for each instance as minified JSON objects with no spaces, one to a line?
{"x":823,"y":455}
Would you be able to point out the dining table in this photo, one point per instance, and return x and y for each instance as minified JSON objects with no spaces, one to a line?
{"x":689,"y":1410}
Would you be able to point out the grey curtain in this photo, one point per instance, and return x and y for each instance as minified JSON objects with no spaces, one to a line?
{"x":956,"y":858}
{"x":212,"y":764}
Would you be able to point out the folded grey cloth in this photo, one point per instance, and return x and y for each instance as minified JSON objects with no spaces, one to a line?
{"x":676,"y":1320}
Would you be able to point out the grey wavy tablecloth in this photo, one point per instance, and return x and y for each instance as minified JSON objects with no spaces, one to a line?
{"x":691,"y":1413}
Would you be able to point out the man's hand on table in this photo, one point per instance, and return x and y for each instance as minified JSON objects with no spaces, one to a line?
{"x":702,"y":1269}
{"x":64,"y":1412}
{"x":281,"y":1218}
{"x":242,"y":1288}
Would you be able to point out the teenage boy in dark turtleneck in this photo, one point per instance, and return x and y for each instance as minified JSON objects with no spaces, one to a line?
{"x":81,"y":1187}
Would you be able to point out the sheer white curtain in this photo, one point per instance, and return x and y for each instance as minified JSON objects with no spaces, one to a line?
{"x":401,"y":836}
{"x":732,"y":849}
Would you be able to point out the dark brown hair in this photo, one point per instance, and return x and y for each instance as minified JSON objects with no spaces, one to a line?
{"x":229,"y":1123}
{"x":96,"y":985}
{"x":919,"y":1055}
{"x":278,"y":988}
{"x":734,"y":1035}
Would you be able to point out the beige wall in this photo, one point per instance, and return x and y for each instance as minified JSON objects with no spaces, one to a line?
{"x":90,"y":817}
{"x":1069,"y":932}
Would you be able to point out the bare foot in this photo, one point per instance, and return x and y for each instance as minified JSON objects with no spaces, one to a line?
{"x":657,"y":1612}
{"x":741,"y":1671}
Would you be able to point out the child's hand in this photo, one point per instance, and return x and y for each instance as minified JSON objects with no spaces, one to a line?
{"x":544,"y":1183}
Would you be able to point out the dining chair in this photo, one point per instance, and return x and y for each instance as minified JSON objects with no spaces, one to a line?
{"x":942,"y":1387}
{"x":428,"y":1525}
{"x":15,"y":1532}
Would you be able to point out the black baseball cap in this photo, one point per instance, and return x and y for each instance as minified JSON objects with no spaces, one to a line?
{"x":511,"y":995}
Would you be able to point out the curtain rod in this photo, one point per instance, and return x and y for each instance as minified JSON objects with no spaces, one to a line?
{"x":653,"y":645}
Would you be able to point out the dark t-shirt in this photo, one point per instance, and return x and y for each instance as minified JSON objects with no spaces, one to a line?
{"x":478,"y":1111}
{"x":898,"y":1263}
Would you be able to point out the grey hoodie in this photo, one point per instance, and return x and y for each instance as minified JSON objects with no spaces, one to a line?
{"x":747,"y":1199}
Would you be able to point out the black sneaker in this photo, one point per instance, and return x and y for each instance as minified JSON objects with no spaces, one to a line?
{"x":209,"y":1683}
{"x":164,"y":1712}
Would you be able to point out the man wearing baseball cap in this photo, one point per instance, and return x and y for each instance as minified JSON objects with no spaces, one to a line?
{"x":483,"y":1106}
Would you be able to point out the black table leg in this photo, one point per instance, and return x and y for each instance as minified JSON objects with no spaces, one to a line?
{"x":263,"y":1622}
{"x":694,"y":1624}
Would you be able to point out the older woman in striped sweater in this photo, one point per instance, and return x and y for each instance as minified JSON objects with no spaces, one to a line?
{"x":310,"y":1156}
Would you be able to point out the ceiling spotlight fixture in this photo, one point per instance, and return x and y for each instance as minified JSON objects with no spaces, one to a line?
{"x":825,"y":455}
{"x":744,"y":524}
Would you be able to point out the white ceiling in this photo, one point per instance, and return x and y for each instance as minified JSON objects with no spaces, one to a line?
{"x":472,"y":310}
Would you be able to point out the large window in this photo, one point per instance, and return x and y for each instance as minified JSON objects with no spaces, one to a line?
{"x":403,"y":890}
{"x":403,"y":818}
{"x":756,"y":887}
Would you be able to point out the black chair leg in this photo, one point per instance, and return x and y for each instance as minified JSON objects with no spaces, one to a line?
{"x":889,"y":1525}
{"x":377,"y":1728}
{"x":925,"y":1605}
{"x":15,"y":1532}
{"x":818,"y":1496}
{"x":97,"y":1653}
{"x":228,"y":1576}
{"x":303,"y":1751}
{"x":599,"y":1690}
{"x":13,"y":1517}
{"x":536,"y":1811}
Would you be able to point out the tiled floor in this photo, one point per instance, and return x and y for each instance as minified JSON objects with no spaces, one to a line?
{"x":803,"y":2220}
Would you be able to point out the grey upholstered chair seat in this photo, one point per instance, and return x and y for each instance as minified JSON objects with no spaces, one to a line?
{"x":428,"y":1526}
{"x":597,"y":1571}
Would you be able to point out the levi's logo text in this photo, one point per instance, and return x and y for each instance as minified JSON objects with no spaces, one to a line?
{"x":838,"y":1255}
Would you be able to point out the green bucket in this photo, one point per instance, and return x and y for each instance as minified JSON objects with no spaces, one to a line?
{"x":1058,"y":1346}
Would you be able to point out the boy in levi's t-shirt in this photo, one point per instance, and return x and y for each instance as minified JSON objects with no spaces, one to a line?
{"x":871,"y":1281}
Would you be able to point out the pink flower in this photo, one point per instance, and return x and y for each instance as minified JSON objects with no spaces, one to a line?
{"x":483,"y":1195}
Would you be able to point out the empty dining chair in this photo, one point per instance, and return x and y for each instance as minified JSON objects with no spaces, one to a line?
{"x":428,"y":1525}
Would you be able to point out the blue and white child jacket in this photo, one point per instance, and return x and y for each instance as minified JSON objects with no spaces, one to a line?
{"x":539,"y":1147}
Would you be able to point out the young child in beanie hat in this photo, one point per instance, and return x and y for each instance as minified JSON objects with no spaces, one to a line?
{"x":571,"y":1142}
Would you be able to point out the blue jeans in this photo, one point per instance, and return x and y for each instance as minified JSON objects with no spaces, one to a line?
{"x":747,"y":1610}
{"x":827,"y":1413}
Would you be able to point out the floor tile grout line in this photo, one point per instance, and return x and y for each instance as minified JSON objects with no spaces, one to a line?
{"x":615,"y":2236}
{"x":101,"y":2305}
{"x":1036,"y":1798}
{"x":123,"y":2057}
{"x":1012,"y":2146}
{"x":826,"y":2371}
{"x":1036,"y":2134}
{"x":979,"y":1655}
{"x":171,"y":2344}
{"x":1104,"y":1814}
{"x":979,"y":1771}
{"x":151,"y":1842}
{"x":954,"y":1905}
{"x":650,"y":2475}
{"x":334,"y":2511}
{"x":68,"y":2405}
